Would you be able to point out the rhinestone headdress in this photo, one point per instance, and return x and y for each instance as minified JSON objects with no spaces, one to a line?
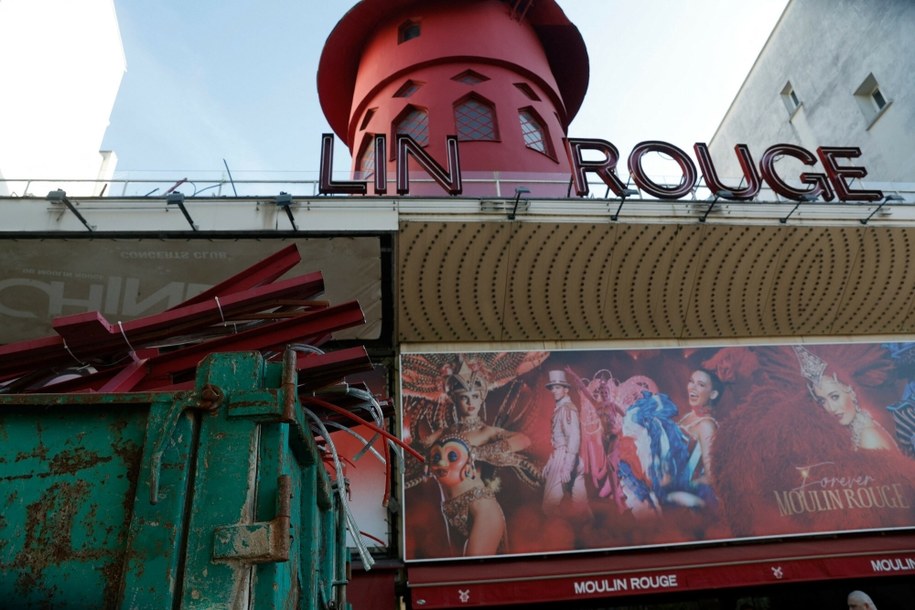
{"x":812,"y":367}
{"x":469,"y":378}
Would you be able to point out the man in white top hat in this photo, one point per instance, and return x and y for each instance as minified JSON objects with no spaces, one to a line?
{"x":562,"y":473}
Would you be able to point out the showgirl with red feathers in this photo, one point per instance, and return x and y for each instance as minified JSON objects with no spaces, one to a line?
{"x":806,"y":452}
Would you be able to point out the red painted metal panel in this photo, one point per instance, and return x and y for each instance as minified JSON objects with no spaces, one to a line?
{"x":127,"y":378}
{"x":157,"y":373}
{"x":366,"y":590}
{"x":318,"y":370}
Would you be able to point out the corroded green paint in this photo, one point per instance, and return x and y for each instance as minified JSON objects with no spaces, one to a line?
{"x":167,"y":500}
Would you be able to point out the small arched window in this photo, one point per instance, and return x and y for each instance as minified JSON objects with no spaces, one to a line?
{"x":475,"y":120}
{"x":470,"y":77}
{"x":408,"y":30}
{"x":413,"y":122}
{"x":527,"y":91}
{"x":369,"y":115}
{"x":408,"y":88}
{"x":534,"y":131}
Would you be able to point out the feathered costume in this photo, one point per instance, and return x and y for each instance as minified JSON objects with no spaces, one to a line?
{"x":666,"y":468}
{"x":429,"y":383}
{"x":427,"y":380}
{"x":793,"y":469}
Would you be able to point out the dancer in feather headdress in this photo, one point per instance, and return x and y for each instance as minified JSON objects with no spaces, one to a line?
{"x":603,"y":402}
{"x":445,"y":397}
{"x":840,"y":401}
{"x":809,"y":434}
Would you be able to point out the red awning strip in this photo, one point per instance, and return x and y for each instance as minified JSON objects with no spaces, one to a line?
{"x":558,"y":578}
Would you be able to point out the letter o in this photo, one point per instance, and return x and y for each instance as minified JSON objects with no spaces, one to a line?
{"x":687,"y":169}
{"x":865,"y":497}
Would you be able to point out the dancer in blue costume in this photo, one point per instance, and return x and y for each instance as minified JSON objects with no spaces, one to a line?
{"x":663,"y":447}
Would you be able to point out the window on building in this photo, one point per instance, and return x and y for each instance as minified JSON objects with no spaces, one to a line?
{"x":369,"y":114}
{"x":871,"y":99}
{"x":475,"y":119}
{"x":790,"y":99}
{"x":470,"y":77}
{"x":413,"y":122}
{"x":878,"y":98}
{"x":408,"y":30}
{"x":408,"y":88}
{"x":527,"y":91}
{"x":365,"y":168}
{"x":534,"y":131}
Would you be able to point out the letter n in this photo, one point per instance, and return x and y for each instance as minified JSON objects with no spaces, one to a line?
{"x":449,"y":179}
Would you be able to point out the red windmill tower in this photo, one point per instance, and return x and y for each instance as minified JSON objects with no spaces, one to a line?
{"x":505,"y":77}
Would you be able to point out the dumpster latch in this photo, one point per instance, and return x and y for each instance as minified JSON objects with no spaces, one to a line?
{"x":263,"y":542}
{"x":209,"y":399}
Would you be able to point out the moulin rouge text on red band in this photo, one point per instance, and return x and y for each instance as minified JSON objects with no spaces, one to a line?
{"x":834,"y":183}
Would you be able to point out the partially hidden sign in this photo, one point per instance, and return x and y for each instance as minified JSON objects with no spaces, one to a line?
{"x":564,"y":451}
{"x":124,"y":279}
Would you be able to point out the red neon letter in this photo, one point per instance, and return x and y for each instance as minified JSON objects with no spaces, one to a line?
{"x":687,"y":168}
{"x":714,"y":182}
{"x":326,"y":184}
{"x":605,"y":168}
{"x":449,"y":180}
{"x":837,"y":174}
{"x":818,"y":181}
{"x":380,"y":142}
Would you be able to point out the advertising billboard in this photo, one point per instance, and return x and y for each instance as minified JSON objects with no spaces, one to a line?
{"x":564,"y":451}
{"x":124,"y":279}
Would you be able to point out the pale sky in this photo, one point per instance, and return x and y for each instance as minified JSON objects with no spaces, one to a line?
{"x":224,"y":79}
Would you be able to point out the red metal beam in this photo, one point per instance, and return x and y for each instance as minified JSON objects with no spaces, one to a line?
{"x":84,"y":336}
{"x":282,"y":332}
{"x":261,"y":273}
{"x":320,"y":370}
{"x":127,"y":378}
{"x":82,"y":329}
{"x":157,"y":373}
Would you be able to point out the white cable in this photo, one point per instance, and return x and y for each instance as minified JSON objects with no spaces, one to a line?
{"x":351,"y":525}
{"x":304,"y":347}
{"x":369,"y":398}
{"x":367,"y":443}
{"x":379,"y":418}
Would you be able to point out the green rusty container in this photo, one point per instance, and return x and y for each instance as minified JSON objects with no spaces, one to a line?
{"x":216,"y":498}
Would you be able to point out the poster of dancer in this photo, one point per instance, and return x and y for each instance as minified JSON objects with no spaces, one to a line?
{"x":562,"y":451}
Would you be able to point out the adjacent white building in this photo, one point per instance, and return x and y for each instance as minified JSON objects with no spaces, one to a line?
{"x":832,"y":73}
{"x":61,"y":64}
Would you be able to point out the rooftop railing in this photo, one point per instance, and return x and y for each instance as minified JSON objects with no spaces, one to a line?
{"x":306,"y":184}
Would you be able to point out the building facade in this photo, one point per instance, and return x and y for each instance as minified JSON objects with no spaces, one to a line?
{"x":505,"y":80}
{"x":831,"y":71}
{"x":665,"y":397}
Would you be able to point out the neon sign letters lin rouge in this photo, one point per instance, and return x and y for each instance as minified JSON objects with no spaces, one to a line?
{"x":831,"y":184}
